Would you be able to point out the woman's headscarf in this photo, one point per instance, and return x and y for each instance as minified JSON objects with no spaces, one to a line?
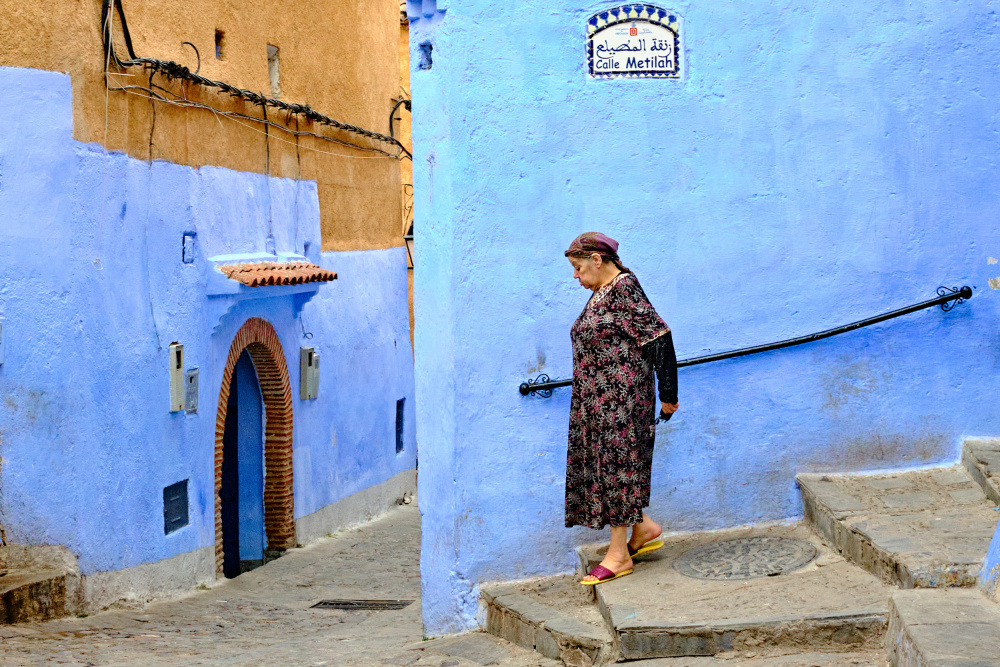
{"x":588,"y":243}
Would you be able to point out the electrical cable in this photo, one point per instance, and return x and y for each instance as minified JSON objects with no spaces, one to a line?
{"x":392,"y":115}
{"x":198,"y":68}
{"x":279,"y":126}
{"x":175,"y":70}
{"x":105,"y":20}
{"x":235,"y":117}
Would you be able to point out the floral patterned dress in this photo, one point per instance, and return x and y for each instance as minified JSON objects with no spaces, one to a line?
{"x":613,"y":409}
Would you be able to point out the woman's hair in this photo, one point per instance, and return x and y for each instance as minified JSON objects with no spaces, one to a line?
{"x":614,"y":259}
{"x":590,"y":243}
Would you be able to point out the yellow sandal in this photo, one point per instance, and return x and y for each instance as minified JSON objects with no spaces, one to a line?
{"x":603,"y":574}
{"x":645,"y":548}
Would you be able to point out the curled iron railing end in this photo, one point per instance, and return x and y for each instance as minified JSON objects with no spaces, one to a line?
{"x":960,"y":295}
{"x":526,"y":387}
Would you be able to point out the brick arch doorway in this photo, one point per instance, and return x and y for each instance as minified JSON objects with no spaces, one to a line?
{"x":258,"y":338}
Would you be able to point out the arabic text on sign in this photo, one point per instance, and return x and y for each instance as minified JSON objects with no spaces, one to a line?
{"x":634,"y":47}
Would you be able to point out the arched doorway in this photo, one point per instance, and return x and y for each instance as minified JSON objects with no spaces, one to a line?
{"x":263,"y":367}
{"x":242,"y":490}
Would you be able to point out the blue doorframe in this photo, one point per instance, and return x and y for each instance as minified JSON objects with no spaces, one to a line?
{"x":242,"y":490}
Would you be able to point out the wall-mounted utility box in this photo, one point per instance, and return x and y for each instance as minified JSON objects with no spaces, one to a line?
{"x":176,"y":377}
{"x":191,"y":391}
{"x":175,"y":507}
{"x":188,"y":247}
{"x":308,"y":373}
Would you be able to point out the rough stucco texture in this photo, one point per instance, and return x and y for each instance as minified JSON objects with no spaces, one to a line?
{"x":817,"y":165}
{"x":339,"y":56}
{"x":87,"y":440}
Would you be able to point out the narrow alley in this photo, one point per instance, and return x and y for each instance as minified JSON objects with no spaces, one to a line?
{"x":695,"y":340}
{"x":266,"y":617}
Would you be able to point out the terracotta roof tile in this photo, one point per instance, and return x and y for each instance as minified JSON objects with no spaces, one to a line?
{"x":276,"y":273}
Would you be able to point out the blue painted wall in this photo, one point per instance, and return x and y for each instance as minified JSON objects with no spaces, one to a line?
{"x":818,"y":164}
{"x":989,"y":576}
{"x":86,"y":439}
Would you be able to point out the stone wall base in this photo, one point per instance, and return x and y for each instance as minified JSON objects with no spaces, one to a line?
{"x":142,"y":584}
{"x":137,"y":586}
{"x":356,"y":509}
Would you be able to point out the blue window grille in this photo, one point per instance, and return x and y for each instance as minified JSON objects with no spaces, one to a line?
{"x":175,"y":507}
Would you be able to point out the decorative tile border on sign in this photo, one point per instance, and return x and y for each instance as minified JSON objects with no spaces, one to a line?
{"x":258,"y":337}
{"x":657,"y":41}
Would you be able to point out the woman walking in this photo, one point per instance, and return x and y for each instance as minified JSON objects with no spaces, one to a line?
{"x":618,"y":341}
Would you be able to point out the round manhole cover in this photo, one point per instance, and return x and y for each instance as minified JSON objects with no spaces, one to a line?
{"x":746,"y":558}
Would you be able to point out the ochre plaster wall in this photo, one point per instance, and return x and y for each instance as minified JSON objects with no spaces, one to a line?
{"x":339,"y":56}
{"x":405,"y":135}
{"x":404,"y":124}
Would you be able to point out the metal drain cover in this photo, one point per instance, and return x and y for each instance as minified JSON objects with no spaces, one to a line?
{"x":746,"y":558}
{"x":359,"y":605}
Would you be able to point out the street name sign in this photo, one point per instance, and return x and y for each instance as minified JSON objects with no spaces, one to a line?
{"x":634,"y":41}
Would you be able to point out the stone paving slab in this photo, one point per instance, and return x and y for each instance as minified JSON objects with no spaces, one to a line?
{"x":557,"y":617}
{"x":659,"y":612}
{"x":264,"y":617}
{"x":943,"y":628}
{"x":918,"y":529}
{"x":981,"y":458}
{"x":766,"y":659}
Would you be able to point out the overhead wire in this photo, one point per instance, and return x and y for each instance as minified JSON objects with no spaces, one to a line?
{"x":236,"y":118}
{"x":405,"y":102}
{"x":265,"y":121}
{"x":107,"y":31}
{"x":175,"y":70}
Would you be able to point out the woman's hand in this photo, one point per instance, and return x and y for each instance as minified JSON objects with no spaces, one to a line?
{"x":667,"y":410}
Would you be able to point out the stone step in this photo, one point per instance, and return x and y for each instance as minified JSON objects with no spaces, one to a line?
{"x":871,"y":658}
{"x":981,"y":458}
{"x":917,"y":529}
{"x":680,"y":600}
{"x":943,"y":628}
{"x":32,"y":595}
{"x":556,"y":617}
{"x":37,"y":583}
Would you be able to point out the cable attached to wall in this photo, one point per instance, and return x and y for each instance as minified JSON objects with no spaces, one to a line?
{"x":392,"y":116}
{"x":173,"y":70}
{"x":149,"y":196}
{"x":267,"y":181}
{"x":178,"y":101}
{"x":196,"y":53}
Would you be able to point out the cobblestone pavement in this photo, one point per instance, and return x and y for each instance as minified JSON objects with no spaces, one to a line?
{"x":865,"y":659}
{"x":264,"y":617}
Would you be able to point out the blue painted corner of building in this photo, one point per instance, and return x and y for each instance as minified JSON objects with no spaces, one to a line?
{"x":815,"y":165}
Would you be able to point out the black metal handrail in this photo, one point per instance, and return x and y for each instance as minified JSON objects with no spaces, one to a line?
{"x":948,"y":298}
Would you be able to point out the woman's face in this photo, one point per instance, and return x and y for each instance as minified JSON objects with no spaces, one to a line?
{"x":587,"y":270}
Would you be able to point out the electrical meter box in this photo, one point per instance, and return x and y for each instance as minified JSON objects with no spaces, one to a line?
{"x":308,"y":373}
{"x":176,"y":377}
{"x":191,"y":391}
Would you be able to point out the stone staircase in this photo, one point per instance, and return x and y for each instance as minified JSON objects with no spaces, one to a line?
{"x":891,"y":573}
{"x":37,"y":583}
